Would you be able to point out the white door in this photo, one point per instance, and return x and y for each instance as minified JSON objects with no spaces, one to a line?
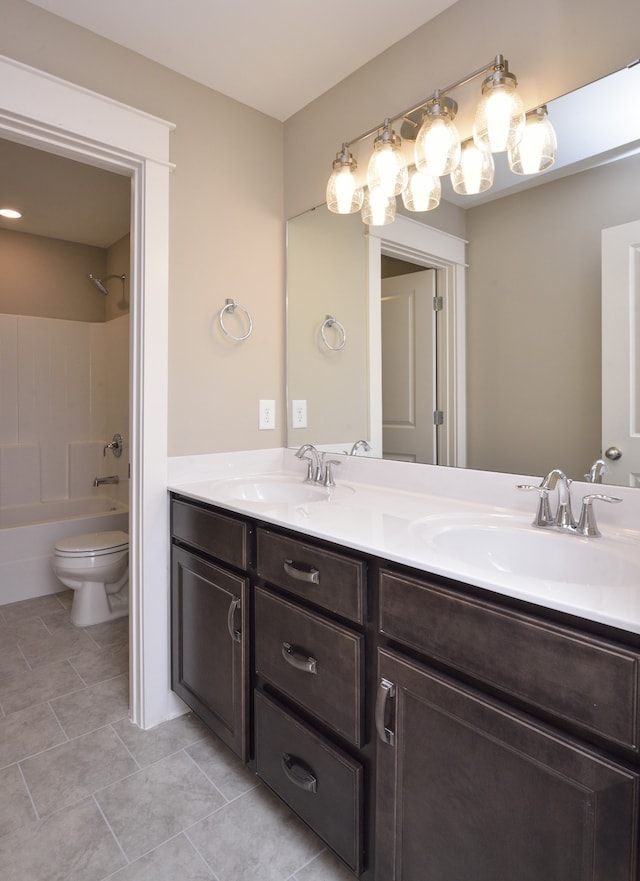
{"x":621,"y":353}
{"x":408,"y":367}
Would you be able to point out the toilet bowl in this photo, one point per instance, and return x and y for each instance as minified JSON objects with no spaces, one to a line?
{"x":96,"y":567}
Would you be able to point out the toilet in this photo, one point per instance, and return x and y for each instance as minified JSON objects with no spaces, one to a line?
{"x":96,"y":567}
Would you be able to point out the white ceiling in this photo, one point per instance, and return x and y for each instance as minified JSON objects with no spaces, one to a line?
{"x":274,"y":55}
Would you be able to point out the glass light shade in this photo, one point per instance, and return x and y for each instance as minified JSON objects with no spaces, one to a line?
{"x":387,"y":168}
{"x":499,"y":121}
{"x":343,"y":195}
{"x":437,"y":149}
{"x":10,"y":213}
{"x":378,"y":209}
{"x":474,"y":173}
{"x":537,"y":149}
{"x":422,"y":192}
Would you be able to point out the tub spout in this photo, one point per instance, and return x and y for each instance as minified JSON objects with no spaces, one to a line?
{"x":101,"y":481}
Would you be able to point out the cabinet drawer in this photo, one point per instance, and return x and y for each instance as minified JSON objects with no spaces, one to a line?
{"x":223,"y":537}
{"x":319,"y":782}
{"x":331,"y":581}
{"x":584,"y":680}
{"x":312,"y":660}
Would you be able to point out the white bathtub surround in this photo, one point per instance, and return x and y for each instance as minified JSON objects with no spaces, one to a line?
{"x":378,"y":506}
{"x":61,"y":400}
{"x":28,"y":534}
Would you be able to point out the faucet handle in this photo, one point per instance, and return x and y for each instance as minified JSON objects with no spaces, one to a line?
{"x":543,"y":517}
{"x":587,"y":524}
{"x":328,"y":472}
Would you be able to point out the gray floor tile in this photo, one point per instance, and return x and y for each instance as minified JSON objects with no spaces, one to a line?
{"x":19,"y":631}
{"x":28,"y":732}
{"x":222,"y":767}
{"x":13,"y":613}
{"x":254,"y":837}
{"x":326,"y":867}
{"x":158,"y":802}
{"x":16,"y":809}
{"x":174,"y":861}
{"x":70,"y":772}
{"x":98,"y":664}
{"x":163,"y":740}
{"x":25,"y":688}
{"x":73,"y":844}
{"x":110,"y":632}
{"x":11,"y":658}
{"x":93,"y":707}
{"x":63,"y":642}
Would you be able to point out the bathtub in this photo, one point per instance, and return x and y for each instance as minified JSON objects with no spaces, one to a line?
{"x":28,"y":534}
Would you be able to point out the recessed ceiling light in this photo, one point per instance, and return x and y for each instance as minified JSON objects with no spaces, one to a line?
{"x":10,"y":213}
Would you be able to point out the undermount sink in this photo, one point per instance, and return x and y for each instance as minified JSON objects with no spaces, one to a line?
{"x":277,"y":489}
{"x":500,"y":545}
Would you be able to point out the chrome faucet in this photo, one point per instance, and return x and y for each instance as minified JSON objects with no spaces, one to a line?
{"x":596,"y":471}
{"x":319,"y":468}
{"x":563,"y":520}
{"x":314,"y":462}
{"x":359,"y":444}
{"x":101,"y":481}
{"x":115,"y":446}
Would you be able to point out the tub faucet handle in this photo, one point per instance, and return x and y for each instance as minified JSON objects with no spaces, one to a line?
{"x":116,"y":446}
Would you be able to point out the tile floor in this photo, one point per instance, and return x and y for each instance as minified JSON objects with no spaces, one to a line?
{"x":87,"y":796}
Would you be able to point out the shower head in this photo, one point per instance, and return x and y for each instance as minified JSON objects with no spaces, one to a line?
{"x":99,"y":283}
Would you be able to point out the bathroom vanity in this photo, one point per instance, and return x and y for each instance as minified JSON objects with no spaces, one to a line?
{"x":425,"y":726}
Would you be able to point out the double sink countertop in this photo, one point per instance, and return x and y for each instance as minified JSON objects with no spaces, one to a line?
{"x":470,"y":526}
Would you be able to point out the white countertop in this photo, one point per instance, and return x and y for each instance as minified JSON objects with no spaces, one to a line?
{"x":387,"y":509}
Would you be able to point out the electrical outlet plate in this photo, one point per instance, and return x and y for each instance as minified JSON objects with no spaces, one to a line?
{"x":267,"y":415}
{"x":298,"y":414}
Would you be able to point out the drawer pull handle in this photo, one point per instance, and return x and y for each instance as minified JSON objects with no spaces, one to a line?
{"x":386,"y":690}
{"x":235,"y":635}
{"x":299,"y":773}
{"x":298,"y":659}
{"x":302,"y":572}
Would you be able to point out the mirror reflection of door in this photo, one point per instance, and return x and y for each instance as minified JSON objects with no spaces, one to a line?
{"x":620,"y":353}
{"x":409,"y":351}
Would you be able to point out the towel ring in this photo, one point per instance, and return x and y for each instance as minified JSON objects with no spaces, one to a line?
{"x":231,"y":306}
{"x":330,"y":321}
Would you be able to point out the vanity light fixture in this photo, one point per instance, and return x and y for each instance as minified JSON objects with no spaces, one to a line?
{"x":344,"y":194}
{"x":10,"y":213}
{"x":537,"y":149}
{"x":437,"y":149}
{"x":474,"y":172}
{"x":499,"y":126}
{"x":423,"y":191}
{"x":387,"y":168}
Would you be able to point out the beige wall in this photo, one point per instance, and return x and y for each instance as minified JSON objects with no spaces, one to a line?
{"x":533,"y":320}
{"x":48,"y":277}
{"x":227,"y":209}
{"x":226,"y":228}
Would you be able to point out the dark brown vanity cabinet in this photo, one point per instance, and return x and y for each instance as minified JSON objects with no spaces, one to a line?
{"x":210,"y":620}
{"x":469,"y":787}
{"x":309,"y":705}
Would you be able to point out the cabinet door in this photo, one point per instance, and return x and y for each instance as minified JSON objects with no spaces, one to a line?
{"x":468,"y":789}
{"x":210,"y":645}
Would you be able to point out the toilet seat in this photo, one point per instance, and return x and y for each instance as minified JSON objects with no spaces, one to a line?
{"x":93,"y":544}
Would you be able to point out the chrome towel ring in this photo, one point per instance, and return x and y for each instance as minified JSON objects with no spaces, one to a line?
{"x":330,"y":321}
{"x":231,"y":306}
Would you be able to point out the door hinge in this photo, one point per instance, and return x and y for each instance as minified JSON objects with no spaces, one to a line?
{"x":438,"y":304}
{"x":438,"y":417}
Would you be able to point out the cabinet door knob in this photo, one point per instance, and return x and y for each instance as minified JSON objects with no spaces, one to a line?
{"x":302,"y":572}
{"x":299,"y":773}
{"x":235,"y":635}
{"x":386,"y":690}
{"x":298,"y":660}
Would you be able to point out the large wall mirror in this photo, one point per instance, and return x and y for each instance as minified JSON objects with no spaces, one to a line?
{"x":547,"y":322}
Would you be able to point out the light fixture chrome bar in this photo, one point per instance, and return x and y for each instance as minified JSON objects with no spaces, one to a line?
{"x":498,"y":63}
